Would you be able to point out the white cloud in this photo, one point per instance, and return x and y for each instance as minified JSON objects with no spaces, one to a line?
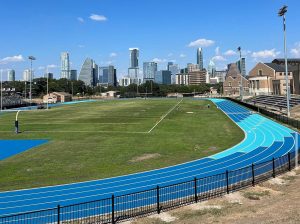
{"x":296,"y":51}
{"x":41,"y":68}
{"x":201,"y":43}
{"x":218,"y":58}
{"x":52,"y":66}
{"x":80,"y":19}
{"x":11,"y":59}
{"x":81,"y":46}
{"x":159,"y":60}
{"x":98,"y":18}
{"x":217,"y":50}
{"x":182,"y":55}
{"x":265,"y":53}
{"x":170,"y":54}
{"x":113,"y":54}
{"x":230,"y":53}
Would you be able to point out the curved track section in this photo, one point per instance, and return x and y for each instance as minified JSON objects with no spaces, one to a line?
{"x":264,"y":140}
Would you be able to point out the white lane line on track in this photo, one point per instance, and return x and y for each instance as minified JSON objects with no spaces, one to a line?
{"x":163,"y":117}
{"x":97,"y":195}
{"x":149,"y":175}
{"x":119,"y":181}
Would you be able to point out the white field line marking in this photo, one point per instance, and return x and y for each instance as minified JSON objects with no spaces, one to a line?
{"x":165,"y":115}
{"x":66,"y":131}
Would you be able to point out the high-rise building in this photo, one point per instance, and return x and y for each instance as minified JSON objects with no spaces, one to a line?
{"x":193,"y":67}
{"x":163,"y":77}
{"x":211,"y":69}
{"x":95,"y":74}
{"x":149,"y":70}
{"x":11,"y":75}
{"x":174,"y":69}
{"x":134,"y":57}
{"x":107,"y":75}
{"x":49,"y":75}
{"x":200,"y":58}
{"x":65,"y":65}
{"x":170,"y":63}
{"x":242,"y":66}
{"x":27,"y":75}
{"x":133,"y":70}
{"x":87,"y":72}
{"x":73,"y":76}
{"x":221,"y":75}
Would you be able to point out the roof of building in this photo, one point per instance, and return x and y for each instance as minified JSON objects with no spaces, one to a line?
{"x":289,"y":60}
{"x":276,"y":67}
{"x":62,"y":93}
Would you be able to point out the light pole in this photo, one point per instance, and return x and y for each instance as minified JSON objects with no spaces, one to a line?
{"x":47,"y":73}
{"x":281,"y":13}
{"x":240,"y":68}
{"x":31,"y":58}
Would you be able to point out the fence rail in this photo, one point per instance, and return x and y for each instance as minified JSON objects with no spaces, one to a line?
{"x":161,"y":198}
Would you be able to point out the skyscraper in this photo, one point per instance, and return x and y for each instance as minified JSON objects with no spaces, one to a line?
{"x":27,"y":75}
{"x":163,"y":77}
{"x":133,"y":70}
{"x":174,"y":69}
{"x":107,"y":75}
{"x":149,"y":70}
{"x":200,"y":58}
{"x":65,"y":65}
{"x":242,"y":66}
{"x":11,"y":75}
{"x":73,"y":75}
{"x":49,"y":75}
{"x":134,"y":57}
{"x":211,"y":69}
{"x":87,"y":72}
{"x":95,"y":74}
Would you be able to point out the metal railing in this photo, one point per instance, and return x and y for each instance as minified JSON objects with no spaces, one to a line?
{"x":119,"y":208}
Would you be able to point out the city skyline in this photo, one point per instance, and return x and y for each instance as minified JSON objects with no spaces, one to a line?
{"x":83,"y":37}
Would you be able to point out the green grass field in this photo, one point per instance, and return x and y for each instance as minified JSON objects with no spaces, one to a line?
{"x":109,"y":138}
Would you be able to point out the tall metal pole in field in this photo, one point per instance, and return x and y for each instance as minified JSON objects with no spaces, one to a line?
{"x":31,"y":58}
{"x":47,"y":88}
{"x":240,"y":68}
{"x":281,"y":13}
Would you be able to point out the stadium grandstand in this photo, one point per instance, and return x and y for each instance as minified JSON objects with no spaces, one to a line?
{"x":12,"y":101}
{"x":273,"y":102}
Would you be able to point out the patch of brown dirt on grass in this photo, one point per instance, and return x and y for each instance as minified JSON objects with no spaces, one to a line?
{"x":144,"y":157}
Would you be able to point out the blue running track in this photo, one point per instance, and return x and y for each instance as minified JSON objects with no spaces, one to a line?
{"x":264,"y":140}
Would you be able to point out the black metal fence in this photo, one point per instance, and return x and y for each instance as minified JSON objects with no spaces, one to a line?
{"x":281,"y":118}
{"x":161,"y":198}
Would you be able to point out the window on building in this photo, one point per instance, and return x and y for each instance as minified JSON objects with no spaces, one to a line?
{"x":229,"y":83}
{"x":260,"y":73}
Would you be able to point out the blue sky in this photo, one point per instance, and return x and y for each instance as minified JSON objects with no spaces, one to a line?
{"x":163,"y":30}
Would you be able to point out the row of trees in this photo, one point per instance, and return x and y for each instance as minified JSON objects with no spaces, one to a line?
{"x":39,"y":88}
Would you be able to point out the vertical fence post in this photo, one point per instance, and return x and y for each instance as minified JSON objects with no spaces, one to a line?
{"x":289,"y":158}
{"x":195,"y":186}
{"x":274,"y":168}
{"x":253,"y":175}
{"x":157,"y":200}
{"x":58,"y":214}
{"x":113,"y":209}
{"x":227,"y":182}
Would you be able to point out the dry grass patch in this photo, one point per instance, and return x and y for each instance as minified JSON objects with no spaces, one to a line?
{"x":144,"y":157}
